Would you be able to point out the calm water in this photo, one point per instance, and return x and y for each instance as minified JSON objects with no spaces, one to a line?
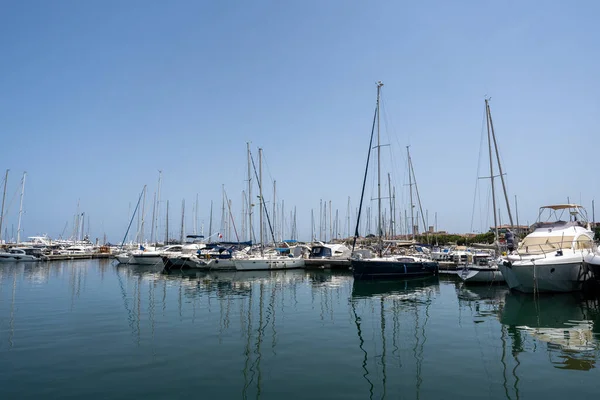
{"x":97,"y":330}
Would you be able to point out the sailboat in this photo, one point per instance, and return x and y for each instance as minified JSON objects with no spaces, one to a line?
{"x":483,"y":267}
{"x":389,"y":266}
{"x":264,"y":260}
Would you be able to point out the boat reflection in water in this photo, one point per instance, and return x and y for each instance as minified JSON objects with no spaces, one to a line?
{"x":566,"y":322}
{"x":391,"y":324}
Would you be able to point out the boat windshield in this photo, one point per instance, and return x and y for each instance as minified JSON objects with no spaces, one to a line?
{"x":545,"y":244}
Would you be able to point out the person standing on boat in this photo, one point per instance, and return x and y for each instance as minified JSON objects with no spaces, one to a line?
{"x":510,"y":240}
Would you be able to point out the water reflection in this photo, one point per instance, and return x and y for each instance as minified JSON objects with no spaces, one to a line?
{"x":566,"y":323}
{"x":392,"y":313}
{"x":482,"y":300}
{"x":243,"y":334}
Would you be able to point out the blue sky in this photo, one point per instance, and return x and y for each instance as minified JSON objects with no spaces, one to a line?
{"x":97,"y":96}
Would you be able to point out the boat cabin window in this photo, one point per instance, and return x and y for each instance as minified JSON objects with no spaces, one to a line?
{"x":583,"y":242}
{"x":545,"y":244}
{"x":405,"y":259}
{"x":320,"y":252}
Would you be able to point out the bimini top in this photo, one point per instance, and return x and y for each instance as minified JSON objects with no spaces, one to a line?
{"x":562,"y":206}
{"x":561,"y":213}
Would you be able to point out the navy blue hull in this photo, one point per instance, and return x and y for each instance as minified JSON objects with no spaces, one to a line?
{"x":362,"y":269}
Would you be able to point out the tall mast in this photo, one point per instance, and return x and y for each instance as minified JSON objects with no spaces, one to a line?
{"x":153,"y":215}
{"x":321,"y":219}
{"x":223,"y":217}
{"x":394,"y":212}
{"x":249,"y":194}
{"x":82,"y":225}
{"x":210,"y":220}
{"x":243,"y":216}
{"x":3,"y":198}
{"x":391,"y":206}
{"x":167,"y":225}
{"x":21,"y":209}
{"x":282,"y":223}
{"x":487,"y":113}
{"x":143,"y":216}
{"x":260,"y":196}
{"x":182,"y":220}
{"x":379,"y":85}
{"x":274,"y":209}
{"x":412,"y":218}
{"x":330,"y":222}
{"x":411,"y":171}
{"x":155,"y":222}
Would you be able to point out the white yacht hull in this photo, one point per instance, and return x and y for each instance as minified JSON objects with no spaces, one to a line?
{"x":183,"y":261}
{"x":529,"y":277}
{"x":221,"y":264}
{"x":481,"y":275}
{"x":123,"y":258}
{"x":253,"y":264}
{"x":6,"y":257}
{"x":146,"y":259}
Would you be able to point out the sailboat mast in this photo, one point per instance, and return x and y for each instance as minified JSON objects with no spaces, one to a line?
{"x":412,"y":173}
{"x":499,"y":165}
{"x":153,"y":215}
{"x":487,"y":113}
{"x":155,"y":221}
{"x":143,"y":216}
{"x":167,"y":226}
{"x":21,"y":209}
{"x":391,"y":207}
{"x":330,"y":222}
{"x":282,"y":222}
{"x":210,"y":220}
{"x":379,"y":85}
{"x":260,"y":196}
{"x":249,"y":195}
{"x":3,"y":198}
{"x":182,"y":220}
{"x":274,"y":208}
{"x":412,"y":217}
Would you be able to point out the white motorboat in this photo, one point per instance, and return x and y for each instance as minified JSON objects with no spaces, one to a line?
{"x":552,"y":257}
{"x":17,"y":255}
{"x":268,"y":262}
{"x":482,"y":268}
{"x":123,"y":258}
{"x":330,"y":251}
{"x":153,"y":257}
